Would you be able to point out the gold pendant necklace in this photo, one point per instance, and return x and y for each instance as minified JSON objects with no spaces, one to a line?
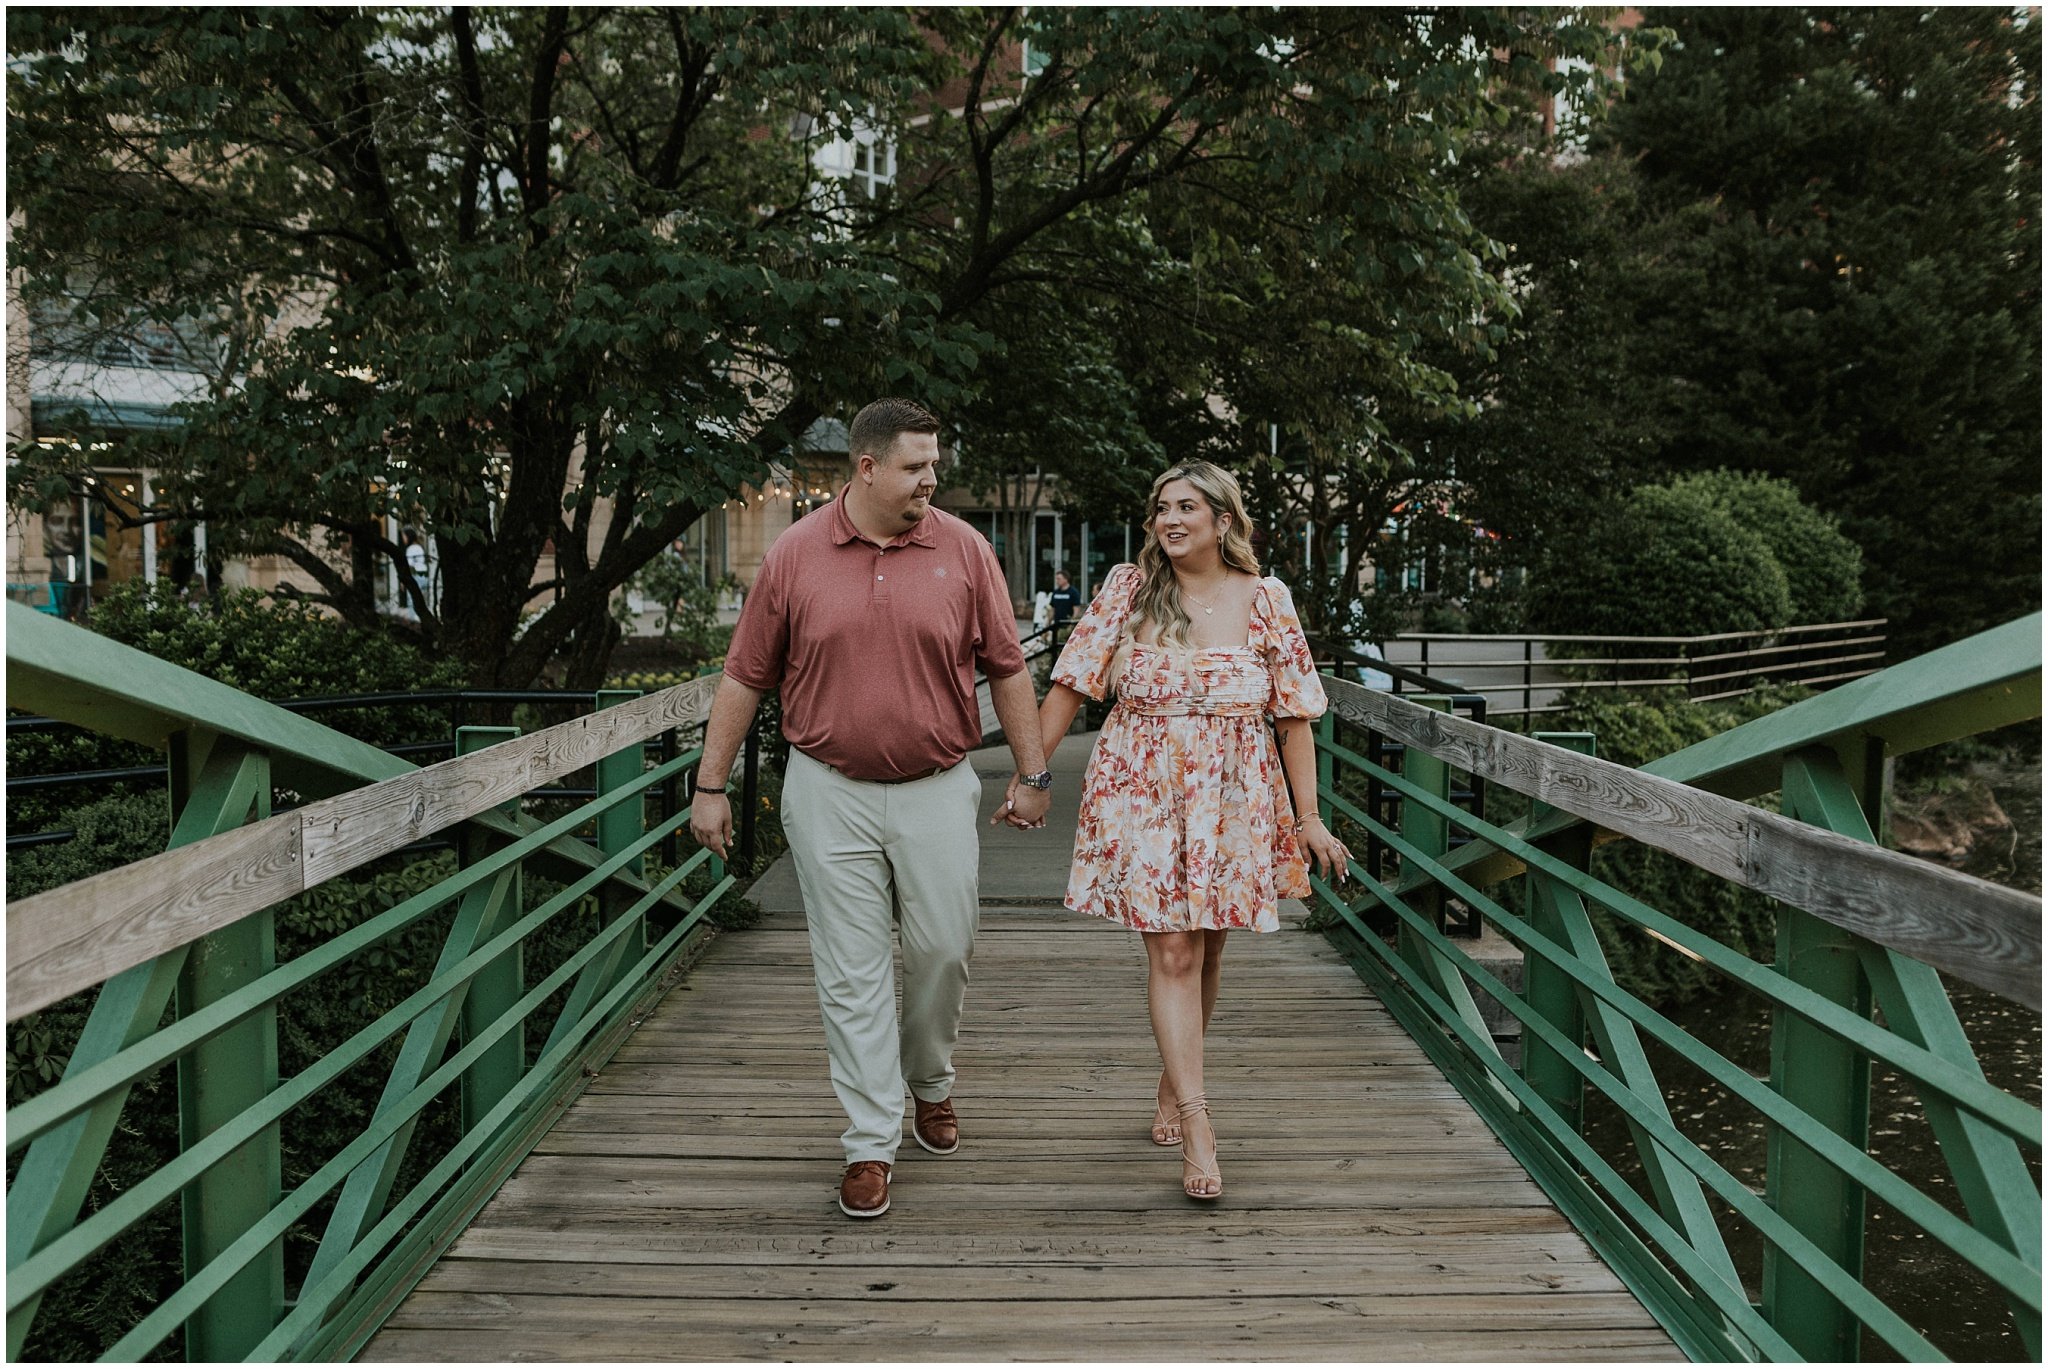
{"x":1208,"y":609}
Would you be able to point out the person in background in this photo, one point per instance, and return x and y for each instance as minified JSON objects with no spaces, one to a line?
{"x":1193,"y":822}
{"x":1066,"y":600}
{"x":871,"y":616}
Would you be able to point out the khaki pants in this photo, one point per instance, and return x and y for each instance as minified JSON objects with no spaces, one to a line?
{"x":866,"y":855}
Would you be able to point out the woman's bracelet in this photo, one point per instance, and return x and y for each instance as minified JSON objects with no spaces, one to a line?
{"x":1306,"y":819}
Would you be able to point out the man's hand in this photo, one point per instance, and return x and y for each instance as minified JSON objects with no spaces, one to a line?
{"x":711,"y":822}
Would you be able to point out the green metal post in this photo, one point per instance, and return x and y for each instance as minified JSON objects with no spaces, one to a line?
{"x":502,"y":983}
{"x":1430,"y":832}
{"x":1830,"y":1080}
{"x":57,"y":1170}
{"x":1546,"y":988}
{"x":620,"y":826}
{"x":617,"y":828}
{"x":229,"y":1073}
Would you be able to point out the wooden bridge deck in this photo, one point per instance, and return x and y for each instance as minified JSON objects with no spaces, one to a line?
{"x":683,"y":1207}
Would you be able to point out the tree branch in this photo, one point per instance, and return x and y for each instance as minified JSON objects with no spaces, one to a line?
{"x":547,"y":65}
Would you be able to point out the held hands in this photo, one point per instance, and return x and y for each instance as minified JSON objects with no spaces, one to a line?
{"x":1324,"y":850}
{"x":711,"y":822}
{"x":1023,"y":806}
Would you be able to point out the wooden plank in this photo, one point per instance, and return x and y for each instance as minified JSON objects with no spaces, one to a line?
{"x":86,"y":932}
{"x":888,"y":1281}
{"x":1452,"y":1327}
{"x":1525,"y":1247}
{"x":1980,"y":932}
{"x":69,"y":938}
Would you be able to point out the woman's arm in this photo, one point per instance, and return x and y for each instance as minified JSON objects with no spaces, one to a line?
{"x":1056,"y":715}
{"x":1298,"y":760}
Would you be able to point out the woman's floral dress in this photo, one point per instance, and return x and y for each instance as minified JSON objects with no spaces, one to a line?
{"x":1185,"y":816}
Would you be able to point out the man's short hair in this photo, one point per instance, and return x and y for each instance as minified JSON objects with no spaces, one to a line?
{"x":876,"y":427}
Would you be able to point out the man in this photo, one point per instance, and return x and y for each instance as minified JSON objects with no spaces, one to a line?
{"x":871,"y":615}
{"x":1066,"y":600}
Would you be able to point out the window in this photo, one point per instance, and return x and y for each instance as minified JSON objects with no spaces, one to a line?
{"x":866,"y":161}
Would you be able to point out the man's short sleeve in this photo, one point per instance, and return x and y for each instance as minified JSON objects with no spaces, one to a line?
{"x":997,"y":652}
{"x":760,"y":641}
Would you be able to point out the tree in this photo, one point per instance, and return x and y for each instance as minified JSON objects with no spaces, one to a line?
{"x":1840,"y":285}
{"x":454,"y":263}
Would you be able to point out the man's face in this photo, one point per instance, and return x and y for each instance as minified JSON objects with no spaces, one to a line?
{"x":902,"y":481}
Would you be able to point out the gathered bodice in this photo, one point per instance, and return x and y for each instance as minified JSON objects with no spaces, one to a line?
{"x":1211,"y":681}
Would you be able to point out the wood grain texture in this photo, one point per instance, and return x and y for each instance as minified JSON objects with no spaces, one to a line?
{"x":1980,"y":932}
{"x":683,"y":1207}
{"x":72,"y":937}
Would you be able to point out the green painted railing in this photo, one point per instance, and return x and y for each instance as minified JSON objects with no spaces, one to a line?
{"x":1863,"y":935}
{"x":180,"y":953}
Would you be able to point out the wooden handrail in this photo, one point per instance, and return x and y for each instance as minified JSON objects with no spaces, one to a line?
{"x":1978,"y":931}
{"x":80,"y":934}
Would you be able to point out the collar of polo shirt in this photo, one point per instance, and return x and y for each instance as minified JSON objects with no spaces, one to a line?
{"x":843,"y":530}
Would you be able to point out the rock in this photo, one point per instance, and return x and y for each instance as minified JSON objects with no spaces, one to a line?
{"x":1951,"y":825}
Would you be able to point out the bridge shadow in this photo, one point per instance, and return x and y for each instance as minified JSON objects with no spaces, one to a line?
{"x":683,"y":1207}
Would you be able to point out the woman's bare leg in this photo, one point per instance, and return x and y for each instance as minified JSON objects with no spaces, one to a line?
{"x":1166,"y":1118}
{"x":1174,"y":994}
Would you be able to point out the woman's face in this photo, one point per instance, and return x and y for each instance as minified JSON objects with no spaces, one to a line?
{"x":1185,"y":524}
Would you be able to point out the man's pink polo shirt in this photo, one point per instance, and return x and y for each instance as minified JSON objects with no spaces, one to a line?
{"x":874,"y":647}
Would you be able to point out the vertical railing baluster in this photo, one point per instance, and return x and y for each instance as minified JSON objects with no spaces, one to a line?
{"x":617,"y":828}
{"x":223,"y":783}
{"x":1429,"y":831}
{"x":501,"y":984}
{"x":1547,"y":988}
{"x":1828,"y":1079}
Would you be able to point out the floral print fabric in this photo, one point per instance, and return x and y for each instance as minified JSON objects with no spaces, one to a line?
{"x":1185,"y":817}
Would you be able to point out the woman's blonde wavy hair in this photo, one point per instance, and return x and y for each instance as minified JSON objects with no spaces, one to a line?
{"x":1158,"y":600}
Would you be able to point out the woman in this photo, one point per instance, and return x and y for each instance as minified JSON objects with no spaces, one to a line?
{"x":1187,"y":827}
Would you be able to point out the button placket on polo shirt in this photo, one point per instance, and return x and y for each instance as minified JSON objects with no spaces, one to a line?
{"x":878,"y":588}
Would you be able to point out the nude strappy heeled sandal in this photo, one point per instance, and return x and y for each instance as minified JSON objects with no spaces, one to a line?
{"x":1165,"y":1127}
{"x":1188,"y":1108}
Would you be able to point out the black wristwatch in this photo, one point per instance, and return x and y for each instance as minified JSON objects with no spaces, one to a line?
{"x":1042,"y":780}
{"x":699,"y":787}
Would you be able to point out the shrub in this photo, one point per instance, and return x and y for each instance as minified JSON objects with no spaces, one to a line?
{"x":265,"y":647}
{"x":1669,"y":561}
{"x":1823,"y":569}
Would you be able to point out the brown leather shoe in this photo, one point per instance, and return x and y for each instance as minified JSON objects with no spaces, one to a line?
{"x":935,"y":1126}
{"x":864,"y":1188}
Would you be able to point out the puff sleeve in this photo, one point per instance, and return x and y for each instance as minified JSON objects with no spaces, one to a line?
{"x":1083,"y":665}
{"x":1297,"y":691}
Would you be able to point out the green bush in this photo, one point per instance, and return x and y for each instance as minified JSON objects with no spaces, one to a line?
{"x":112,"y":831}
{"x":265,"y":647}
{"x":1667,"y":561}
{"x":1823,"y":569}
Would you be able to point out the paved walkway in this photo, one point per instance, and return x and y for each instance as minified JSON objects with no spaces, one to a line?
{"x":684,"y":1208}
